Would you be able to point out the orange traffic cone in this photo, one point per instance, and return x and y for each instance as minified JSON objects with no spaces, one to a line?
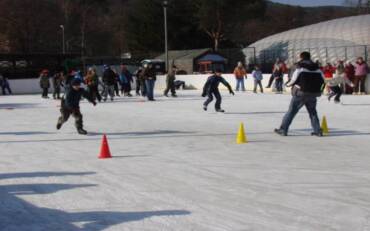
{"x":104,"y":150}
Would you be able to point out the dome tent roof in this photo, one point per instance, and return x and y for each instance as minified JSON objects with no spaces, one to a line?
{"x":333,"y":35}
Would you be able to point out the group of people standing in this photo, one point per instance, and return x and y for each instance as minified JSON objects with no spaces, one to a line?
{"x":110,"y":84}
{"x":346,"y":77}
{"x":342,"y":77}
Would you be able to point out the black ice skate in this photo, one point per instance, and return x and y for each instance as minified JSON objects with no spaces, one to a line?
{"x":281,"y":132}
{"x":59,"y":125}
{"x":81,"y":131}
{"x":220,"y":110}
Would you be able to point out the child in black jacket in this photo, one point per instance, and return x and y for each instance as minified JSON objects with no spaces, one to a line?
{"x":71,"y":105}
{"x":210,"y":89}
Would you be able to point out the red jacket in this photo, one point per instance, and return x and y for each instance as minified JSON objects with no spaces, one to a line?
{"x":329,"y":71}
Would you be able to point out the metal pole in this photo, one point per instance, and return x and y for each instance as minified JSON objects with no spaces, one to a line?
{"x":63,"y":38}
{"x":165,"y":4}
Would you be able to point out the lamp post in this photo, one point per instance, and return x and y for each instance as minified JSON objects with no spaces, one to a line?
{"x":63,"y":39}
{"x":165,"y":4}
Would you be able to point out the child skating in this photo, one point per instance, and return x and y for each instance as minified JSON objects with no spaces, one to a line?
{"x":334,"y":86}
{"x":210,"y":89}
{"x":71,"y":105}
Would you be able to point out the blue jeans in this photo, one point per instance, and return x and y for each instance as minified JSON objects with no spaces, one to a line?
{"x":296,"y":104}
{"x":279,"y":84}
{"x":150,"y":88}
{"x":240,"y":84}
{"x":217,"y":95}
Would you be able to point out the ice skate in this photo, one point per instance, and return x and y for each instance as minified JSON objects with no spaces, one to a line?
{"x":81,"y":131}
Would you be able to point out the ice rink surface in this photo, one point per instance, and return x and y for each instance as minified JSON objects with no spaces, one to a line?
{"x":176,"y":167}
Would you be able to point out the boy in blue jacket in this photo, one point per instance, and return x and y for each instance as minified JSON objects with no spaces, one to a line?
{"x":210,"y":89}
{"x":71,"y":105}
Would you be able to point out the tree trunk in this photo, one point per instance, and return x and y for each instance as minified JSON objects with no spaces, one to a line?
{"x":217,"y":43}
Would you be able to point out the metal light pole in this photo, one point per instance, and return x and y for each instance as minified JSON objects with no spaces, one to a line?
{"x":165,"y":4}
{"x":63,"y":38}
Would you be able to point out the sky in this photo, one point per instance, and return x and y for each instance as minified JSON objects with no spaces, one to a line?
{"x":312,"y":2}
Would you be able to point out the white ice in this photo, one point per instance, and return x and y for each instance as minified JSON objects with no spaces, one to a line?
{"x":176,"y":167}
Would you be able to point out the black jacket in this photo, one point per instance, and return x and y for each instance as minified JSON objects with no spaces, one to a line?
{"x":307,"y":80}
{"x":212,"y":84}
{"x":109,"y":77}
{"x":149,"y":74}
{"x":72,"y":97}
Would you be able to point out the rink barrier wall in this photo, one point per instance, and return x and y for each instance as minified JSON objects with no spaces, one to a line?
{"x":32,"y":86}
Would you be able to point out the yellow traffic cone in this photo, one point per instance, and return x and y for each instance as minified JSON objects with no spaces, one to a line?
{"x":241,"y":138}
{"x":324,"y":126}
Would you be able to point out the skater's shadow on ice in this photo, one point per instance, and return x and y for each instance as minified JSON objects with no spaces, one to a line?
{"x":10,"y":106}
{"x":26,"y":133}
{"x":131,"y":156}
{"x":144,"y":133}
{"x":358,"y":104}
{"x":332,"y":132}
{"x":255,"y":113}
{"x":18,"y":214}
{"x":42,"y":174}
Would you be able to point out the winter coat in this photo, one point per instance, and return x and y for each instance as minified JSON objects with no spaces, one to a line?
{"x":171,"y":76}
{"x":278,"y":70}
{"x":57,"y":80}
{"x":361,"y":69}
{"x":149,"y":74}
{"x":212,"y":84}
{"x":109,"y":77}
{"x":307,"y":80}
{"x":328,"y":71}
{"x":44,"y":81}
{"x":240,"y":72}
{"x":72,"y":97}
{"x":350,"y":71}
{"x":125,"y":77}
{"x":257,"y":75}
{"x":92,"y":79}
{"x":337,"y":80}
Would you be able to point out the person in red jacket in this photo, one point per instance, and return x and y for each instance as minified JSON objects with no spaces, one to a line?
{"x":328,"y":71}
{"x":349,"y":71}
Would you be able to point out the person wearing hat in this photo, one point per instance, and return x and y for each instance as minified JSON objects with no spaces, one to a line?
{"x":109,"y":80}
{"x":170,"y":80}
{"x":70,"y":105}
{"x":44,"y":83}
{"x":211,"y":88}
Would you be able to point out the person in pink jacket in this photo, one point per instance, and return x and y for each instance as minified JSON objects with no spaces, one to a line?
{"x":361,"y":71}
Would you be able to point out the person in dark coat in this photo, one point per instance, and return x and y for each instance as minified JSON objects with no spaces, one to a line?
{"x":150,"y":77}
{"x":307,"y":84}
{"x":92,"y":82}
{"x":45,"y":83}
{"x":4,"y":83}
{"x":71,"y":105}
{"x":138,"y":82}
{"x":57,"y":81}
{"x":109,"y":80}
{"x":210,"y":89}
{"x":125,"y":79}
{"x":170,"y":82}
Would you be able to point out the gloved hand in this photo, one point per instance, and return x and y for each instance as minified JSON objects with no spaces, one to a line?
{"x":231,"y":92}
{"x":94,"y":103}
{"x":203,"y":94}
